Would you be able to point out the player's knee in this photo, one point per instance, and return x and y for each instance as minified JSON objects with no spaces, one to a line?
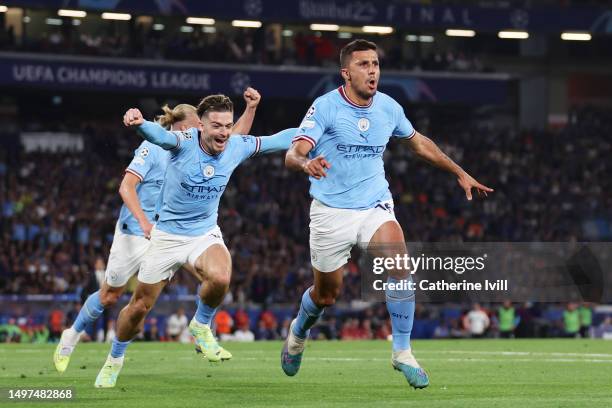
{"x":221,"y":281}
{"x":219,"y":277}
{"x":328,"y":297}
{"x":109,"y":298}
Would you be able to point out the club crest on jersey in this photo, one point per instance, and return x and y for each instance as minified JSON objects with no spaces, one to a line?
{"x":208,"y":171}
{"x":363,"y":124}
{"x":144,"y":152}
{"x":310,"y":112}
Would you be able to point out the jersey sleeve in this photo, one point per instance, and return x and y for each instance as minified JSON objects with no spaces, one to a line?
{"x":277,"y":142}
{"x":315,"y":122}
{"x":144,"y":159}
{"x":245,"y":146}
{"x":403,"y":127}
{"x":183,"y":139}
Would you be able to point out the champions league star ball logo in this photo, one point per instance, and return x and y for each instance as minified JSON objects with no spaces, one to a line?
{"x":310,"y":112}
{"x":144,"y":152}
{"x":239,"y":82}
{"x":363,"y":124}
{"x":519,"y":19}
{"x":253,"y":7}
{"x":209,"y":171}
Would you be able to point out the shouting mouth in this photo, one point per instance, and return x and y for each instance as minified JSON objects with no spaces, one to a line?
{"x":219,"y":142}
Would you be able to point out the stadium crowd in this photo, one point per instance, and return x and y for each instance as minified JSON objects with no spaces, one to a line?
{"x":58,"y":210}
{"x":231,"y":45}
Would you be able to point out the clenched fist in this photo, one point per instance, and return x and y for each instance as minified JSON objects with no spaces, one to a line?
{"x":133,"y":117}
{"x":251,"y":97}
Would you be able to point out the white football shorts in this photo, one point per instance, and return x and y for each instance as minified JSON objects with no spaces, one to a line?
{"x":126,"y":254}
{"x":334,"y":231}
{"x":168,"y":252}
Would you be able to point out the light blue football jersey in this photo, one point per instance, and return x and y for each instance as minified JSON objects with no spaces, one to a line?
{"x":196,"y":180}
{"x":352,"y":138}
{"x":149,"y":165}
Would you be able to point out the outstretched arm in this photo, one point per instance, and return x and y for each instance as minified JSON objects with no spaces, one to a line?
{"x":425,"y":148}
{"x":278,"y":141}
{"x":297,"y":159}
{"x":151,"y":131}
{"x":244,"y":123}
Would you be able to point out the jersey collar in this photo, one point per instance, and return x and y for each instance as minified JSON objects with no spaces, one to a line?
{"x":350,"y":102}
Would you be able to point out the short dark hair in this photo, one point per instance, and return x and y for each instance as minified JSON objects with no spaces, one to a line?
{"x":215,"y":103}
{"x":356,"y":45}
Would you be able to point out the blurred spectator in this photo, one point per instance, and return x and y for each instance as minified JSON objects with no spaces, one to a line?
{"x":243,"y":333}
{"x":241,"y":318}
{"x":41,"y":334}
{"x":586,"y":319}
{"x":571,"y":320}
{"x":476,"y":321}
{"x":224,"y":324}
{"x":507,"y":320}
{"x":56,"y":324}
{"x":151,"y":331}
{"x":267,"y":326}
{"x":176,"y":324}
{"x":10,"y":332}
{"x":604,"y":330}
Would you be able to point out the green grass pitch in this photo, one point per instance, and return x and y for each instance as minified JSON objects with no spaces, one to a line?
{"x":463,"y":373}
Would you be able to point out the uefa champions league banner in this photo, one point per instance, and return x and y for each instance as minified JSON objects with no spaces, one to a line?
{"x":103,"y":74}
{"x":489,"y":271}
{"x":352,"y":12}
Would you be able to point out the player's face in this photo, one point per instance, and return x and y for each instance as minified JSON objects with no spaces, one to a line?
{"x":363,"y":72}
{"x":216,"y":130}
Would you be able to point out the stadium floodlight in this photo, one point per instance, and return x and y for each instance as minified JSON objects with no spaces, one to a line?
{"x":575,"y":36}
{"x":3,"y":9}
{"x":158,"y":27}
{"x":246,"y":23}
{"x":54,"y":21}
{"x":200,"y":20}
{"x":186,"y":29}
{"x":324,"y":27}
{"x":452,"y":32}
{"x":209,"y":30}
{"x":345,"y":35}
{"x":426,"y":38}
{"x":514,"y":35}
{"x":71,"y":13}
{"x":287,"y":33}
{"x":116,"y":16}
{"x":377,"y":29}
{"x":76,"y":22}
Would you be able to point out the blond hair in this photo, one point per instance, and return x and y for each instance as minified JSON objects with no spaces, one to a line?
{"x":177,"y":114}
